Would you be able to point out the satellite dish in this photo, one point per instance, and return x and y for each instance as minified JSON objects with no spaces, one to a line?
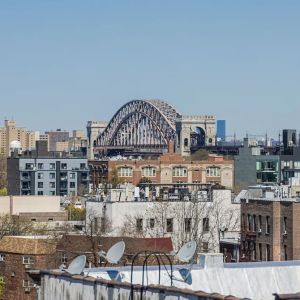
{"x":77,"y":265}
{"x":114,"y":254}
{"x":187,"y":251}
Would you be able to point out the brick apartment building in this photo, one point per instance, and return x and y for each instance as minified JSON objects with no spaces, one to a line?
{"x":270,"y":227}
{"x":169,"y":168}
{"x":18,"y":256}
{"x":22,"y":257}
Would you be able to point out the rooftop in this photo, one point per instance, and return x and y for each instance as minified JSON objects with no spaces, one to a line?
{"x":210,"y":275}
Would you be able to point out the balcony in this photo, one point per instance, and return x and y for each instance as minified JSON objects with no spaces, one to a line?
{"x":26,"y":187}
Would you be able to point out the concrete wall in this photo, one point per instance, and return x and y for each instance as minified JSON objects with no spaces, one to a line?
{"x":78,"y":287}
{"x":29,"y":204}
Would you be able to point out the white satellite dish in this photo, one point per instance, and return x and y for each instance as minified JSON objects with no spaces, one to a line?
{"x":114,"y":254}
{"x":185,"y":254}
{"x":187,"y":251}
{"x":77,"y":265}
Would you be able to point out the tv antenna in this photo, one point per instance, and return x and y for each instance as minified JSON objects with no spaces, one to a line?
{"x":76,"y":266}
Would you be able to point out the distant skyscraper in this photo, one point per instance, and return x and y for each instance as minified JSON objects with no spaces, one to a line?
{"x":221,"y":130}
{"x":289,"y":137}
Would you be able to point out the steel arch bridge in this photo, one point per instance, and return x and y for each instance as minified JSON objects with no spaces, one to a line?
{"x":140,"y":125}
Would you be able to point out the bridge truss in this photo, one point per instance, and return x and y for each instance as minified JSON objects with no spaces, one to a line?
{"x":140,"y":125}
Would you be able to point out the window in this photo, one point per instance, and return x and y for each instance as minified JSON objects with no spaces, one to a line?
{"x":33,"y":219}
{"x":285,"y":252}
{"x":125,"y":172}
{"x":82,"y":166}
{"x":254,"y":223}
{"x":249,"y":218}
{"x":296,"y":164}
{"x":28,"y":284}
{"x":40,"y":193}
{"x":244,"y":221}
{"x":52,"y":175}
{"x":148,"y":172}
{"x":72,"y":175}
{"x":187,"y":224}
{"x":169,"y":225}
{"x":40,"y":185}
{"x":139,"y":224}
{"x":40,"y":175}
{"x":286,"y":164}
{"x":213,"y":172}
{"x":2,"y":257}
{"x":186,"y":142}
{"x":72,"y":185}
{"x":179,"y":172}
{"x":29,"y":166}
{"x":50,"y":219}
{"x":285,"y":225}
{"x":40,"y":166}
{"x":268,"y":252}
{"x":205,"y":224}
{"x":52,"y":185}
{"x":260,"y":251}
{"x":63,"y":166}
{"x":259,"y":223}
{"x":152,"y":223}
{"x":268,"y":229}
{"x":64,"y":258}
{"x":52,"y":193}
{"x":52,"y":166}
{"x":205,"y":247}
{"x":253,"y":251}
{"x":27,"y":260}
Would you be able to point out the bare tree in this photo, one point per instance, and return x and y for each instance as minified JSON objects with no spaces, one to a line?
{"x":95,"y":228}
{"x":183,"y":221}
{"x":14,"y":225}
{"x":3,"y":176}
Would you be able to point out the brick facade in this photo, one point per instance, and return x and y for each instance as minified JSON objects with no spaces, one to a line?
{"x":196,"y":171}
{"x":278,"y":232}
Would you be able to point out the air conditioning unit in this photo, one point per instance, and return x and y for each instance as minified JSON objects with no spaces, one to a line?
{"x":259,"y":230}
{"x":285,"y":232}
{"x":27,"y":266}
{"x":27,"y":290}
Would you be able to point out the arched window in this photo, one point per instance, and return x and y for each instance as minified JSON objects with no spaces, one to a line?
{"x":125,"y":172}
{"x":186,"y":142}
{"x":213,"y":172}
{"x":148,"y":172}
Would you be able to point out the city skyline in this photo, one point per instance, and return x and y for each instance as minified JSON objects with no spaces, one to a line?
{"x":63,"y":64}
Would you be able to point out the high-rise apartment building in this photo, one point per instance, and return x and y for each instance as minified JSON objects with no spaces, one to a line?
{"x":57,"y":136}
{"x":10,"y":132}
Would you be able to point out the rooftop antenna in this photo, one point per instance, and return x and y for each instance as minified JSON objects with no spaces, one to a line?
{"x":76,"y":266}
{"x":185,"y":255}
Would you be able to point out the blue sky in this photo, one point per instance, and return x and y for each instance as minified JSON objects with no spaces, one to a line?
{"x":65,"y":62}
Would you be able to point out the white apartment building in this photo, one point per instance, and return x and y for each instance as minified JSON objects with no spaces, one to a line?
{"x":211,"y":219}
